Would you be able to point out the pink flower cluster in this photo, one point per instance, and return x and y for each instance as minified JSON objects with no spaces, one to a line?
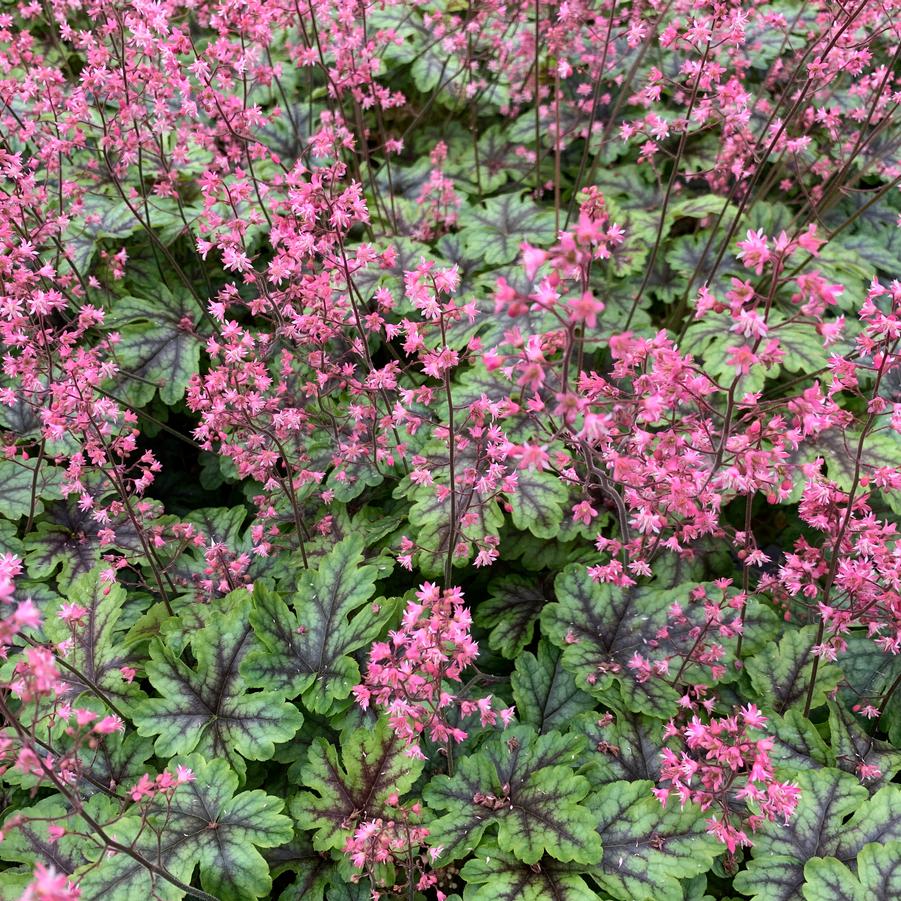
{"x":164,"y":784}
{"x":721,"y":764}
{"x":377,"y":841}
{"x":398,"y":841}
{"x":437,"y":199}
{"x":852,"y":577}
{"x":407,"y":676}
{"x":50,"y":885}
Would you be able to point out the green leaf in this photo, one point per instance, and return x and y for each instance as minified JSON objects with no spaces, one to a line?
{"x":627,"y":747}
{"x":797,"y":745}
{"x":853,"y":747}
{"x":879,"y":820}
{"x":209,"y":826}
{"x":839,"y":450}
{"x":68,"y":537}
{"x":209,"y":708}
{"x":880,"y":247}
{"x":599,"y":628}
{"x":538,"y":503}
{"x":878,"y":876}
{"x":435,"y":67}
{"x":514,"y":604}
{"x":101,"y":217}
{"x":804,"y":351}
{"x":699,"y":207}
{"x":545,"y":695}
{"x":496,"y":875}
{"x":343,"y":791}
{"x":523,"y":784}
{"x":648,"y":848}
{"x":18,"y":483}
{"x":157,"y":345}
{"x":307,"y":650}
{"x":493,"y":231}
{"x":30,"y":842}
{"x":630,"y":187}
{"x":781,"y":673}
{"x":819,"y":827}
{"x":828,"y":879}
{"x":314,"y":871}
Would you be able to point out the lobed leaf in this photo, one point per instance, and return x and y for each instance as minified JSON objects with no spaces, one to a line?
{"x":347,"y":788}
{"x":820,"y":827}
{"x":781,"y":673}
{"x":599,"y":628}
{"x":306,"y":651}
{"x":648,"y":848}
{"x":545,"y":694}
{"x":209,"y":708}
{"x":206,"y":825}
{"x":523,"y":784}
{"x":497,"y":875}
{"x":514,"y":604}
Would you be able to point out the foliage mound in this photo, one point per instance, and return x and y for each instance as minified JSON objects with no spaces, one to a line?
{"x":450,"y":450}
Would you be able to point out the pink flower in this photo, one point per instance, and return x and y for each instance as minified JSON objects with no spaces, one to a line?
{"x":533,"y":259}
{"x":109,"y":724}
{"x":128,"y":673}
{"x":583,"y":512}
{"x":753,"y":251}
{"x":145,"y":788}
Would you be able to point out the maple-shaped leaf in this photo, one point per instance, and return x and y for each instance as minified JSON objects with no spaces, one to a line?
{"x":219,"y":525}
{"x":599,"y":627}
{"x":185,"y":624}
{"x":206,"y":825}
{"x":538,"y":503}
{"x":525,"y":785}
{"x":545,"y":695}
{"x":496,"y":875}
{"x":819,"y":827}
{"x":345,"y":789}
{"x":878,"y":876}
{"x":838,"y":448}
{"x":119,"y":760}
{"x":97,"y":651}
{"x":535,"y":555}
{"x":209,"y":707}
{"x":800,"y":354}
{"x":621,"y":745}
{"x":66,"y":540}
{"x":781,"y":672}
{"x":493,"y":231}
{"x":306,"y":650}
{"x":513,"y":605}
{"x":648,"y":848}
{"x":158,"y":347}
{"x":857,"y":752}
{"x":498,"y":162}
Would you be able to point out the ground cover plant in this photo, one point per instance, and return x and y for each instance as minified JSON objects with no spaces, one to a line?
{"x":451,"y":449}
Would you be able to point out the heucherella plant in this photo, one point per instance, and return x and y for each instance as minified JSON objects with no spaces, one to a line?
{"x":450,"y":450}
